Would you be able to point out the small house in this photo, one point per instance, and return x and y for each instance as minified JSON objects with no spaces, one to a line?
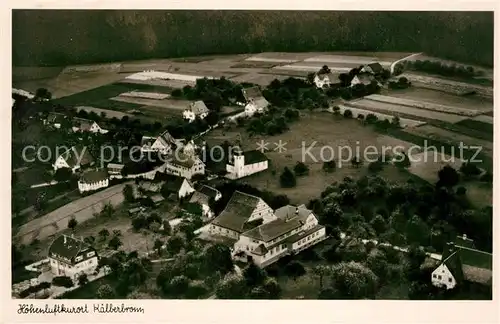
{"x":178,"y":187}
{"x":196,"y":109}
{"x":375,"y":69}
{"x":93,"y":180}
{"x":324,"y":80}
{"x":164,"y":143}
{"x":74,"y":158}
{"x":115,"y":168}
{"x":86,"y":125}
{"x":203,"y":196}
{"x":72,"y":257}
{"x":55,"y":120}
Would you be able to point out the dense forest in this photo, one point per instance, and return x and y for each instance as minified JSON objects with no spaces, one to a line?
{"x":55,"y":37}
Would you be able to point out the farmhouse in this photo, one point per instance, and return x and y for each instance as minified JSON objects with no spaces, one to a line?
{"x":373,"y":68}
{"x":242,"y":164}
{"x":115,"y":169}
{"x":163,"y":143}
{"x":75,"y":158}
{"x":175,"y":186}
{"x":462,"y":262}
{"x":196,"y":109}
{"x":54,"y":119}
{"x":294,"y":229}
{"x":242,"y":213}
{"x":323,"y":80}
{"x":364,"y":78}
{"x":93,"y":180}
{"x":255,"y":101}
{"x":203,"y":196}
{"x":71,"y":257}
{"x":87,"y":125}
{"x":183,"y":165}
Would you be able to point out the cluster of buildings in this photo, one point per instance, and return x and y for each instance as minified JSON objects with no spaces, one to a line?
{"x":365,"y":75}
{"x":82,"y":125}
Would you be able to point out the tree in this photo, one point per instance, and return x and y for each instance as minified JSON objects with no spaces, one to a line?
{"x":72,"y":223}
{"x":175,"y":244}
{"x":379,"y":224}
{"x":90,"y":240}
{"x":295,"y":269}
{"x":63,"y":174}
{"x":321,"y":271}
{"x":417,"y":231}
{"x":254,"y":275}
{"x":218,"y":259}
{"x":329,"y":166}
{"x":352,"y":280}
{"x":448,"y":177}
{"x":179,"y":285}
{"x":128,"y":193}
{"x":402,"y":160}
{"x":470,"y":169}
{"x":115,"y":243}
{"x":396,"y":122}
{"x":300,"y":169}
{"x":177,"y":93}
{"x":62,"y":281}
{"x":43,"y":93}
{"x":231,"y":287}
{"x":167,"y":228}
{"x":287,"y":179}
{"x":377,"y":262}
{"x":347,"y":113}
{"x":83,"y":279}
{"x":105,"y":292}
{"x":103,"y":234}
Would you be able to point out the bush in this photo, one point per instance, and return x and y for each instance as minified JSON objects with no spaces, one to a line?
{"x":336,"y":109}
{"x":62,"y":281}
{"x":287,"y":179}
{"x":371,"y":119}
{"x":329,"y":166}
{"x":348,"y":113}
{"x":177,"y":93}
{"x":301,"y":169}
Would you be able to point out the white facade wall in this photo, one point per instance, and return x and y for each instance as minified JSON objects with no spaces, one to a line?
{"x":159,"y":146}
{"x":83,"y":187}
{"x":320,"y":83}
{"x":197,"y":168}
{"x":185,"y":189}
{"x":240,"y":170}
{"x":218,"y":230}
{"x":442,"y":276}
{"x":61,"y":163}
{"x":59,"y":268}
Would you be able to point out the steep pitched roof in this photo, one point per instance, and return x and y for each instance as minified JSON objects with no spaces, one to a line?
{"x":251,"y":93}
{"x":237,"y":212}
{"x":289,"y":218}
{"x":94,"y":176}
{"x":172,"y":183}
{"x":376,"y":67}
{"x":166,"y":138}
{"x":365,"y":78}
{"x":198,"y":107}
{"x":254,"y":156}
{"x":199,"y":197}
{"x":209,"y":191}
{"x":67,"y":247}
{"x":77,"y":155}
{"x":83,"y":124}
{"x":323,"y":76}
{"x":260,"y":102}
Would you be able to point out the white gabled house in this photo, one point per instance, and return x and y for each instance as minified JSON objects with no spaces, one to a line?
{"x":461,"y":262}
{"x":294,"y":229}
{"x":74,"y":158}
{"x":242,"y":213}
{"x":164,"y":143}
{"x":242,"y":164}
{"x":196,"y":109}
{"x":87,"y":125}
{"x":69,"y":256}
{"x":184,"y":165}
{"x":254,"y":101}
{"x":93,"y":180}
{"x":323,"y":80}
{"x":176,"y":187}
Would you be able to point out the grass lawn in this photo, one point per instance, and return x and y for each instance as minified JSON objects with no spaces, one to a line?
{"x":476,"y":125}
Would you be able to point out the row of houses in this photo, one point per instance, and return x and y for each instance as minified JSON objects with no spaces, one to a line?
{"x":78,"y":124}
{"x":366,"y":75}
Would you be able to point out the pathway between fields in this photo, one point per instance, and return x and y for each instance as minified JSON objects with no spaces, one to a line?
{"x":404,"y":58}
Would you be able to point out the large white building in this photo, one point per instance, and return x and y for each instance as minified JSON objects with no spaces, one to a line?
{"x":184,"y":165}
{"x":196,"y":109}
{"x":72,"y":257}
{"x":293,"y":230}
{"x":242,"y":164}
{"x":164,"y":143}
{"x":74,"y":158}
{"x":93,"y":180}
{"x":461,"y":262}
{"x":242,"y":213}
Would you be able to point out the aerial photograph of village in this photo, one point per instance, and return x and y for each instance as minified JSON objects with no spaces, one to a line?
{"x":252,"y":154}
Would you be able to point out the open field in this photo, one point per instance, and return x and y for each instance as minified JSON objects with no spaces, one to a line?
{"x":311,"y":68}
{"x":347,"y":59}
{"x":25,"y":73}
{"x":405,"y":122}
{"x":484,"y":119}
{"x":82,"y":209}
{"x":145,"y":95}
{"x":166,"y":103}
{"x":452,"y":137}
{"x":255,"y":65}
{"x":423,"y":105}
{"x":173,"y":84}
{"x":257,"y":78}
{"x":426,"y":165}
{"x":109,"y":113}
{"x":317,"y":130}
{"x":408,"y":111}
{"x":440,"y":97}
{"x":478,"y":125}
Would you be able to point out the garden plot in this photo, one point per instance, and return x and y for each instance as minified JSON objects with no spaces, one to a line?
{"x":453,"y":138}
{"x":398,"y":109}
{"x":112,"y":67}
{"x":423,"y":105}
{"x":108,"y":113}
{"x":145,"y":95}
{"x":405,"y":122}
{"x":440,"y":97}
{"x":165,"y":104}
{"x":426,"y":165}
{"x":345,"y":59}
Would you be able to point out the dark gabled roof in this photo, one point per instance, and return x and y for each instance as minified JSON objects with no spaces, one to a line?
{"x":54,"y":117}
{"x":198,"y":107}
{"x":251,"y":93}
{"x":289,"y":218}
{"x":172,"y":183}
{"x":376,"y":67}
{"x":200,"y":198}
{"x":94,"y":176}
{"x":454,"y":264}
{"x":169,"y":139}
{"x":365,"y":78}
{"x":237,"y":212}
{"x":208,"y":191}
{"x":77,"y":155}
{"x":254,"y":156}
{"x":67,"y":247}
{"x":298,"y":236}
